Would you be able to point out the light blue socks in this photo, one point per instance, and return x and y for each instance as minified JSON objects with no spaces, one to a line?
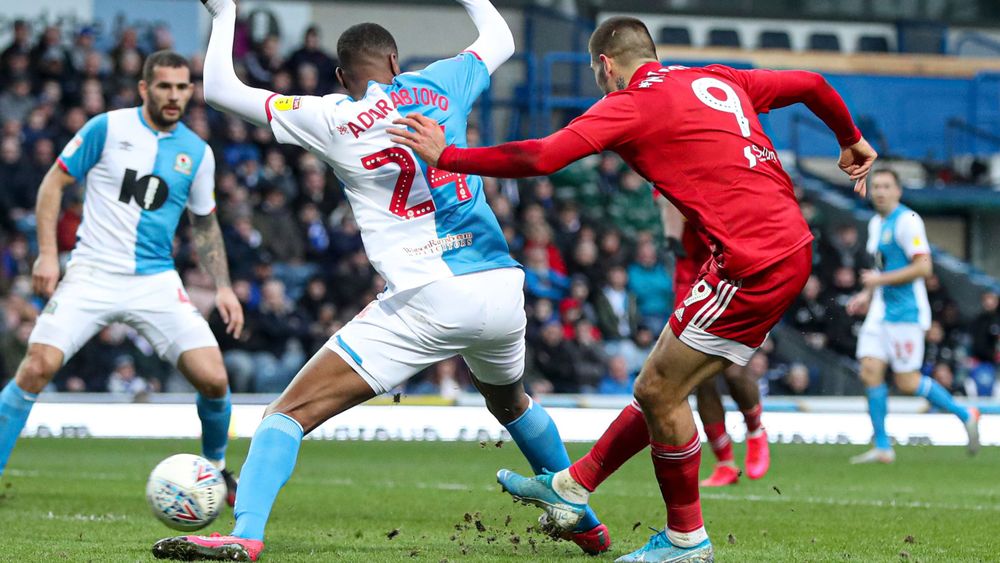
{"x":269,"y":464}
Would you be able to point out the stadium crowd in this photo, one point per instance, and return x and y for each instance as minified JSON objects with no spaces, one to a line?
{"x":598,"y":282}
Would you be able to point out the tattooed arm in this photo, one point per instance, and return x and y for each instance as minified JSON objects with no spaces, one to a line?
{"x":212,"y":256}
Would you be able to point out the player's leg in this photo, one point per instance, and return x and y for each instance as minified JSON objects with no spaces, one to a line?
{"x":872,"y":375}
{"x":671,"y":373}
{"x":325,"y":387}
{"x":713,"y":420}
{"x":496,"y":358}
{"x":873,"y":353}
{"x":746,"y":394}
{"x":19,"y":395}
{"x":71,"y":317}
{"x":160,"y":310}
{"x":908,"y":352}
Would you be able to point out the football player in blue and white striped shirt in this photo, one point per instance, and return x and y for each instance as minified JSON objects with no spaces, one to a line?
{"x":141,"y":168}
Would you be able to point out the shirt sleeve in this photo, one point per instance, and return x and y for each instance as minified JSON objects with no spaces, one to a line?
{"x":608,"y":123}
{"x":462,"y":78}
{"x":911,"y":235}
{"x":873,"y":233}
{"x":299,"y":120}
{"x":84,"y":150}
{"x":201,"y":200}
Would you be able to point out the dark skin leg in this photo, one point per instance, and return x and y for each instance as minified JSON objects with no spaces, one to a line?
{"x":743,"y":388}
{"x":710,"y":409}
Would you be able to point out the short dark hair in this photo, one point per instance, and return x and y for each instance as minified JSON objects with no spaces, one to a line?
{"x":363,"y":43}
{"x":168,"y":59}
{"x":623,"y":38}
{"x":889,"y":171}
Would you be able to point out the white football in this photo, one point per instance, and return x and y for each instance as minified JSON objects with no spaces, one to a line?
{"x":186,"y":492}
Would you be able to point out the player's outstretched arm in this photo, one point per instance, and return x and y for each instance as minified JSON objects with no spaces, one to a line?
{"x":45,"y":273}
{"x":495,"y":43}
{"x":520,"y":159}
{"x":223,"y":89}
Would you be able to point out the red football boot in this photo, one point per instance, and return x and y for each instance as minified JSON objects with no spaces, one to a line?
{"x":758,"y":459}
{"x":721,"y":476}
{"x":213,"y":548}
{"x":594,"y":541}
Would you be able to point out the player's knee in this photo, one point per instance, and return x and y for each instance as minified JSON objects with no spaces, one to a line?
{"x":508,"y":408}
{"x":215,"y":386}
{"x":908,"y":383}
{"x":35,"y":371}
{"x":650,"y":391}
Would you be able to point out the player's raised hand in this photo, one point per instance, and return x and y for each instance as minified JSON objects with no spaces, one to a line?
{"x":231,"y":311}
{"x":426,"y":139}
{"x":857,"y":160}
{"x":45,"y":275}
{"x":216,"y":7}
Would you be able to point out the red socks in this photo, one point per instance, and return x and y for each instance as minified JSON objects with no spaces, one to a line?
{"x":718,"y":438}
{"x":752,"y":418}
{"x":626,"y":436}
{"x":677,"y":472}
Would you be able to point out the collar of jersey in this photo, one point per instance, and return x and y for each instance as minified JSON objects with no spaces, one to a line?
{"x":642,"y":72}
{"x":369,"y":89}
{"x":158,"y":134}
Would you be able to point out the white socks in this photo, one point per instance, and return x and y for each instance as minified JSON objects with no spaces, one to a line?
{"x":687,"y":539}
{"x":569,"y":489}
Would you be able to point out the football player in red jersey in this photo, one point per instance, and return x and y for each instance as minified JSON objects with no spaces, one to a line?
{"x":693,"y":133}
{"x":691,"y":250}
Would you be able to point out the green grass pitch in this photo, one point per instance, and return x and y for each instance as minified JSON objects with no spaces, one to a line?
{"x":83,"y":500}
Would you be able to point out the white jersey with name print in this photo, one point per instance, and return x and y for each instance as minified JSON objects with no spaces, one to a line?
{"x":138,"y":182}
{"x":418,"y":224}
{"x":894,"y":241}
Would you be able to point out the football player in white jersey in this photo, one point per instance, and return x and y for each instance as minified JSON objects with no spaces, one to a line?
{"x":452,"y":287}
{"x":141,"y":169}
{"x":898,"y":316}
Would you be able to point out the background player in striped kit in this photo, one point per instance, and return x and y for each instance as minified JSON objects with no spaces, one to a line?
{"x":899,"y":315}
{"x":142,"y":168}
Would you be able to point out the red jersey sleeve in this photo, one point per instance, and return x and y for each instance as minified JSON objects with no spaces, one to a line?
{"x":773,"y":89}
{"x":608,"y":122}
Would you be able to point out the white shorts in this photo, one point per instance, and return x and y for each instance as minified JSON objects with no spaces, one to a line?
{"x":901,"y":345}
{"x":88,"y":299}
{"x":479,"y":316}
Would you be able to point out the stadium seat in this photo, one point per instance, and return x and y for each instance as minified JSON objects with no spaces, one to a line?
{"x":723,"y":38}
{"x":771,"y":39}
{"x":824,"y":42}
{"x":873,"y":44}
{"x":675,"y":36}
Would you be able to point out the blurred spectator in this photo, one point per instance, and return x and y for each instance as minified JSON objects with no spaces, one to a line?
{"x":631,"y":209}
{"x":50,"y":58}
{"x":589,"y":363}
{"x":442,"y":380}
{"x":808,"y":314}
{"x":617,"y":311}
{"x":540,"y":280}
{"x":19,"y":46}
{"x":278,"y":229}
{"x":312,"y":53}
{"x":618,"y":380}
{"x":652,"y":286}
{"x":277,"y":332}
{"x":124,"y":379}
{"x":263,"y":62}
{"x":554,"y":359}
{"x":986,"y":330}
{"x":16,"y":100}
{"x":796,"y":381}
{"x":127,"y":47}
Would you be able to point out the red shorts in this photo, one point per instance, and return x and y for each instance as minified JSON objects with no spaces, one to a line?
{"x":731,"y":318}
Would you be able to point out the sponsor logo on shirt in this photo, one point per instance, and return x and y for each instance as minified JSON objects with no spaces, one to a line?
{"x":287,"y":103}
{"x":440,"y":245}
{"x":72,"y":146}
{"x":50,"y":307}
{"x":183,"y":164}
